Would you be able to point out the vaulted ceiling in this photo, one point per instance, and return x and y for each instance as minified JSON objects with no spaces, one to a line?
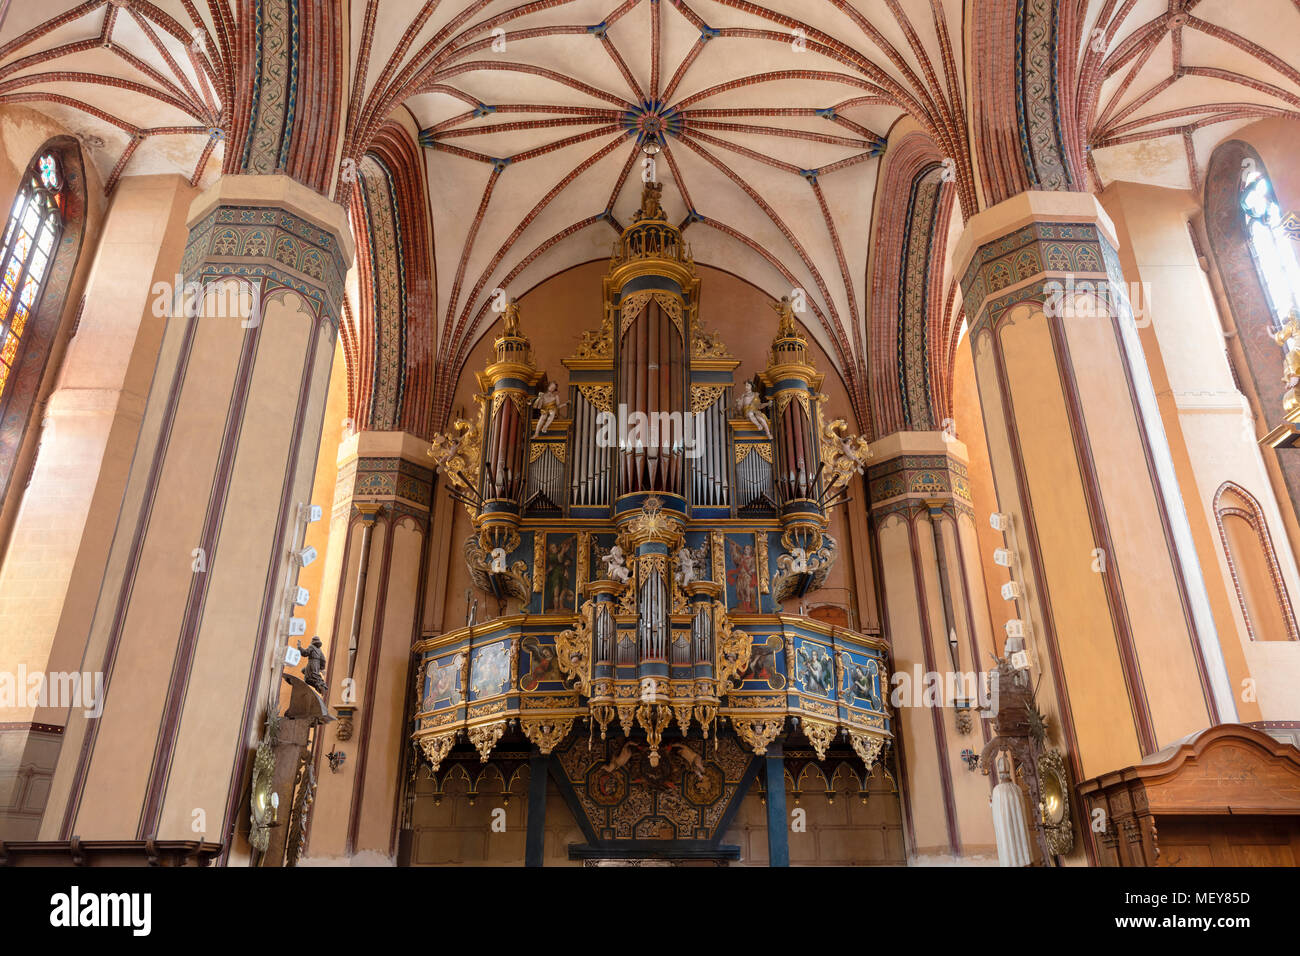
{"x":773,"y":117}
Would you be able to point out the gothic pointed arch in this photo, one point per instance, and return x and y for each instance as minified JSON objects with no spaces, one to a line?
{"x":911,"y":314}
{"x":390,"y":343}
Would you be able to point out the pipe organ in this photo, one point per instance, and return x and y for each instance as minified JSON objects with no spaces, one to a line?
{"x":648,"y":540}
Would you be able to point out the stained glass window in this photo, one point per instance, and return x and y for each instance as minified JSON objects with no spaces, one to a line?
{"x":35,"y":223}
{"x":1270,"y":245}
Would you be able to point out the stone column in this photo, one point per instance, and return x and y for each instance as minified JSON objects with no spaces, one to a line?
{"x":1118,"y":621}
{"x":49,"y":579}
{"x":190,"y":618}
{"x":378,"y":543}
{"x":937,"y":620}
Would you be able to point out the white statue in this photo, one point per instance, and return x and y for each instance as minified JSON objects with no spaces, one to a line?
{"x":1009,"y":819}
{"x":498,"y":560}
{"x":616,"y":568}
{"x":748,"y":404}
{"x":798,"y":561}
{"x":548,"y":403}
{"x":685,"y":566}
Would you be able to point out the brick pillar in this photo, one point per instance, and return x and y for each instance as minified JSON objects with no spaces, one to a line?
{"x":1120,"y":627}
{"x":188,"y":628}
{"x":375,"y":569}
{"x":937,"y":621}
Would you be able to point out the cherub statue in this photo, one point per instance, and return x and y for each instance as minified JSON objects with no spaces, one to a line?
{"x":749,"y":405}
{"x":786,"y":327}
{"x":798,"y":561}
{"x":498,"y":561}
{"x":685,"y":566}
{"x":616,"y":568}
{"x":548,"y":404}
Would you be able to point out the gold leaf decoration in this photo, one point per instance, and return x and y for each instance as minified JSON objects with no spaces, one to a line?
{"x":703,"y":396}
{"x":600,"y":397}
{"x":485,"y":736}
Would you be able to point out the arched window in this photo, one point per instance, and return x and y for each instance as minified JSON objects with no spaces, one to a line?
{"x":1265,"y":604}
{"x":35,"y":225}
{"x":39,"y":250}
{"x":1270,"y":244}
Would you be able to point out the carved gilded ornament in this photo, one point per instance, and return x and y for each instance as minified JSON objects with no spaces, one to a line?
{"x":704,"y":396}
{"x":843,"y":455}
{"x":599,"y":397}
{"x":547,"y":732}
{"x":485,"y":736}
{"x":815,"y":556}
{"x":456,"y":453}
{"x":820,"y":734}
{"x":516,"y":398}
{"x":539,"y":560}
{"x":630,"y":307}
{"x":437,"y":747}
{"x":515,"y":581}
{"x":760,"y":553}
{"x":867,"y":747}
{"x":716,"y":564}
{"x":573,"y":649}
{"x":652,"y":524}
{"x":706,"y":344}
{"x":654,"y":720}
{"x":598,"y":343}
{"x":734,"y":647}
{"x":758,"y":732}
{"x":762,"y":449}
{"x":584,"y":559}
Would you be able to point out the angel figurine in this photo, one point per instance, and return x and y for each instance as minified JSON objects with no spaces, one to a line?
{"x":616,"y":568}
{"x":685,"y":566}
{"x":548,"y":403}
{"x":749,"y":405}
{"x":498,"y":561}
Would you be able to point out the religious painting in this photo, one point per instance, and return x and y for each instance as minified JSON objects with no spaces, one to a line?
{"x":861,"y":681}
{"x":490,"y":670}
{"x":540,"y":664}
{"x":814,"y":668}
{"x":764,"y":665}
{"x":560,"y":581}
{"x":442,"y":683}
{"x":742,"y":574}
